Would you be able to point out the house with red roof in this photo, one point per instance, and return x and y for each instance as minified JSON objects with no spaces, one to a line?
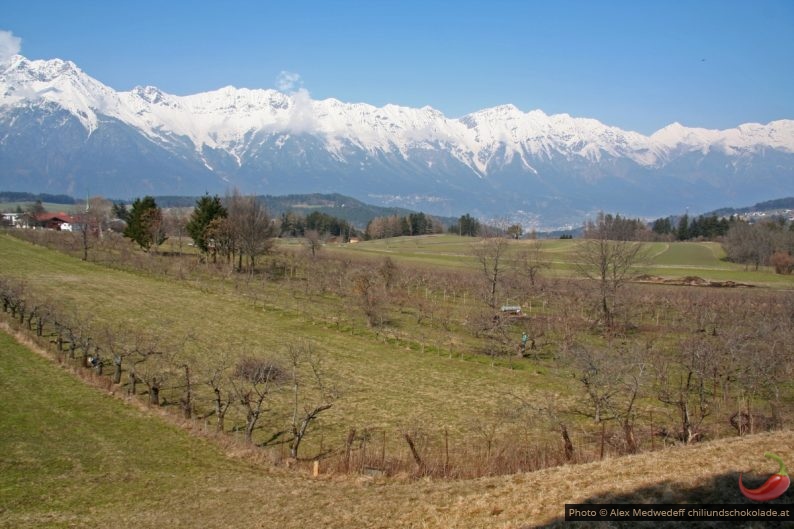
{"x":55,"y":221}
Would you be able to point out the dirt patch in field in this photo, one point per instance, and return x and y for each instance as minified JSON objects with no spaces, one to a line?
{"x":689,"y":281}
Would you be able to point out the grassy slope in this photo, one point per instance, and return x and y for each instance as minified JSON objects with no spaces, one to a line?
{"x":72,"y":456}
{"x":373,"y":376}
{"x":68,"y":449}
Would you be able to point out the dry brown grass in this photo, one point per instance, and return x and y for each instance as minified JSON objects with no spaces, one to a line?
{"x":251,"y":498}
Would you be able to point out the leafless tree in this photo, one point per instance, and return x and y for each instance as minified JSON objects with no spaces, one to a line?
{"x":683,"y":384}
{"x":310,"y":392}
{"x":155,"y":226}
{"x":253,"y":227}
{"x":84,"y":338}
{"x":749,"y":244}
{"x":764,"y":367}
{"x":151,"y":365}
{"x":612,"y":378}
{"x":636,"y":360}
{"x":318,"y":274}
{"x":390,"y":273}
{"x":253,"y":381}
{"x":73,"y":332}
{"x":217,"y":376}
{"x":550,"y":412}
{"x":609,"y":264}
{"x":93,"y":222}
{"x":42,"y":312}
{"x":633,"y":384}
{"x":530,"y":261}
{"x":314,"y":242}
{"x":600,"y":375}
{"x":494,"y":329}
{"x":490,"y":254}
{"x":184,"y":367}
{"x":118,"y":345}
{"x":370,"y":293}
{"x":13,"y":295}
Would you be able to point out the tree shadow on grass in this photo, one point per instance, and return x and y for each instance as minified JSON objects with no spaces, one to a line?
{"x":721,"y":489}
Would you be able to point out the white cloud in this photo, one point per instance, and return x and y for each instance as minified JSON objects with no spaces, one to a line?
{"x":9,"y":45}
{"x":301,"y":116}
{"x":288,"y":81}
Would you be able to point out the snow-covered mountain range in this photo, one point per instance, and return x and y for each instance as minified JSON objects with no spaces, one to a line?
{"x":61,"y":131}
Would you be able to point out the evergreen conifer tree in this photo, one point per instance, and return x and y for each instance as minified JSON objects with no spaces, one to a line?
{"x":145,"y":224}
{"x":207,"y":209}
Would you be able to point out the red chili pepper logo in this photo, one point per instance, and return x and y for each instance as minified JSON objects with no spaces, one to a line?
{"x":774,"y":487}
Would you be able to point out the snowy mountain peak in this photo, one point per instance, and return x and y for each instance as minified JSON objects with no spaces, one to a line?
{"x":58,"y":82}
{"x":40,"y":70}
{"x":261,"y":137}
{"x":150,"y":94}
{"x":502,"y":110}
{"x":223,"y":117}
{"x":63,"y":131}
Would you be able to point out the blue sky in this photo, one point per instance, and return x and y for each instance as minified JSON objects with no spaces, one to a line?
{"x":637,"y":65}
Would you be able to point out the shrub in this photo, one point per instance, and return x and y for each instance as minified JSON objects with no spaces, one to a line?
{"x":783,"y":262}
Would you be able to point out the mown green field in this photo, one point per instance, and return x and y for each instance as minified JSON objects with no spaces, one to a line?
{"x":69,"y":450}
{"x":12,"y":207}
{"x":675,"y":259}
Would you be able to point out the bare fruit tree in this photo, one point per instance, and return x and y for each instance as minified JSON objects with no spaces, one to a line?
{"x":600,"y":376}
{"x":369,"y":291}
{"x":609,"y":264}
{"x":217,"y":375}
{"x":92,"y":223}
{"x":490,"y":254}
{"x":254,"y":380}
{"x":310,"y":393}
{"x":151,"y":366}
{"x":683,"y":384}
{"x":530,"y":261}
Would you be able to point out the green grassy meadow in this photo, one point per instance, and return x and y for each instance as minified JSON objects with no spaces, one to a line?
{"x":11,"y":207}
{"x":68,"y":449}
{"x":673,"y":260}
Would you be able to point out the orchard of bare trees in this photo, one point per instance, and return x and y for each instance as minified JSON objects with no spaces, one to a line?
{"x":287,"y":386}
{"x":642,"y":365}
